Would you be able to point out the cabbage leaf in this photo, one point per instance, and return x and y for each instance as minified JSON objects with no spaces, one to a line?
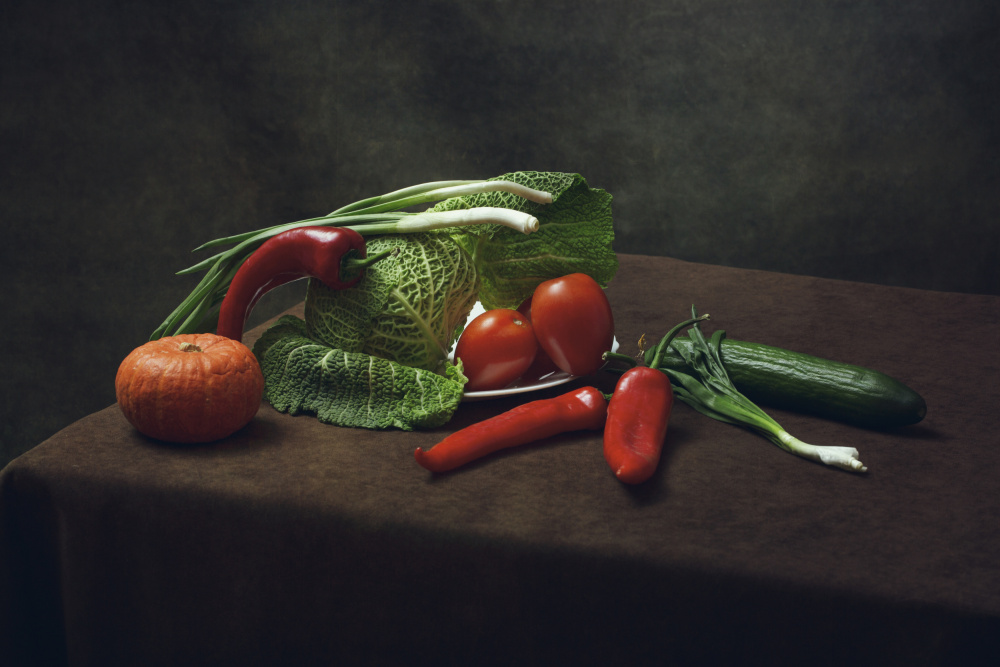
{"x":351,"y":388}
{"x":575,"y":235}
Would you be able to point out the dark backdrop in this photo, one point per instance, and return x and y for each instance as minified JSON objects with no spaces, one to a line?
{"x":852,"y":140}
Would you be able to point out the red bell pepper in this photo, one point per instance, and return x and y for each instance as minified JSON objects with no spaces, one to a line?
{"x":637,"y":423}
{"x":638,"y":414}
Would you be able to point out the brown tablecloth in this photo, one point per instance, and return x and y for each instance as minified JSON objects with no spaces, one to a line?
{"x":299,"y":543}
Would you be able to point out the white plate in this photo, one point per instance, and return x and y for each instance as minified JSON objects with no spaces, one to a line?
{"x":551,"y":380}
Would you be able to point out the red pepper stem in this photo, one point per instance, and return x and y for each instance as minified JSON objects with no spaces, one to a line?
{"x":664,"y":343}
{"x":352,"y":265}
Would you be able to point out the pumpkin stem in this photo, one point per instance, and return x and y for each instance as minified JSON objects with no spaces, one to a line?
{"x":189,"y":347}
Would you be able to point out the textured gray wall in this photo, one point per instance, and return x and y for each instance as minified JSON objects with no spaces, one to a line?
{"x":853,"y":140}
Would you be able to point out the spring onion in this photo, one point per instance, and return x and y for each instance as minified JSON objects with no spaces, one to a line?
{"x":712,"y":393}
{"x":375,"y":215}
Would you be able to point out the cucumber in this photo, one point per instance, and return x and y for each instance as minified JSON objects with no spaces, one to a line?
{"x":803,"y":383}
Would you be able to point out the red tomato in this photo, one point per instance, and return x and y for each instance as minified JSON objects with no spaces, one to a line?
{"x":543,"y":364}
{"x":496,"y":348}
{"x":573,"y":322}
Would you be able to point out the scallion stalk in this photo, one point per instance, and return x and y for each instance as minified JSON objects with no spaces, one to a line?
{"x":397,"y":195}
{"x":431,"y":220}
{"x":712,"y":393}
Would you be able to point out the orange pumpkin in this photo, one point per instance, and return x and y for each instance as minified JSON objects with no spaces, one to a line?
{"x":190,"y":388}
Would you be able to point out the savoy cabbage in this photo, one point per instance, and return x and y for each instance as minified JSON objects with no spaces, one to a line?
{"x":406,"y":308}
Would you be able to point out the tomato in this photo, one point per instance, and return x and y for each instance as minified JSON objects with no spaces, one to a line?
{"x":543,"y":364}
{"x":496,"y":348}
{"x":573,"y":322}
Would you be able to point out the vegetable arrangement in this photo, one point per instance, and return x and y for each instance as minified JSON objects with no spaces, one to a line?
{"x":638,"y":411}
{"x":389,"y":292}
{"x":569,"y":225}
{"x":634,"y":418}
{"x":389,"y":289}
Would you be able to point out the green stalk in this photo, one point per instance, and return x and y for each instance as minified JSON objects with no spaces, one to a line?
{"x":208,"y":291}
{"x":324,"y":221}
{"x":404,"y":193}
{"x":630,"y":362}
{"x":712,"y":393}
{"x":617,"y":358}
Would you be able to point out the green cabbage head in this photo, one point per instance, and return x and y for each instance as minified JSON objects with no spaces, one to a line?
{"x":407,"y":308}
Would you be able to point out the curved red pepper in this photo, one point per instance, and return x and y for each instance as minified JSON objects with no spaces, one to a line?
{"x":584,"y":408}
{"x":302,"y":252}
{"x":638,"y":413}
{"x":637,"y":423}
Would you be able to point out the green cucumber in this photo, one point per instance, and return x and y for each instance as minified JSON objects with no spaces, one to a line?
{"x":803,"y":383}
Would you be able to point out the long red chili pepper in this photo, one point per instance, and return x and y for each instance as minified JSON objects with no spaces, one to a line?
{"x":584,"y":408}
{"x":638,"y":413}
{"x":318,"y":252}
